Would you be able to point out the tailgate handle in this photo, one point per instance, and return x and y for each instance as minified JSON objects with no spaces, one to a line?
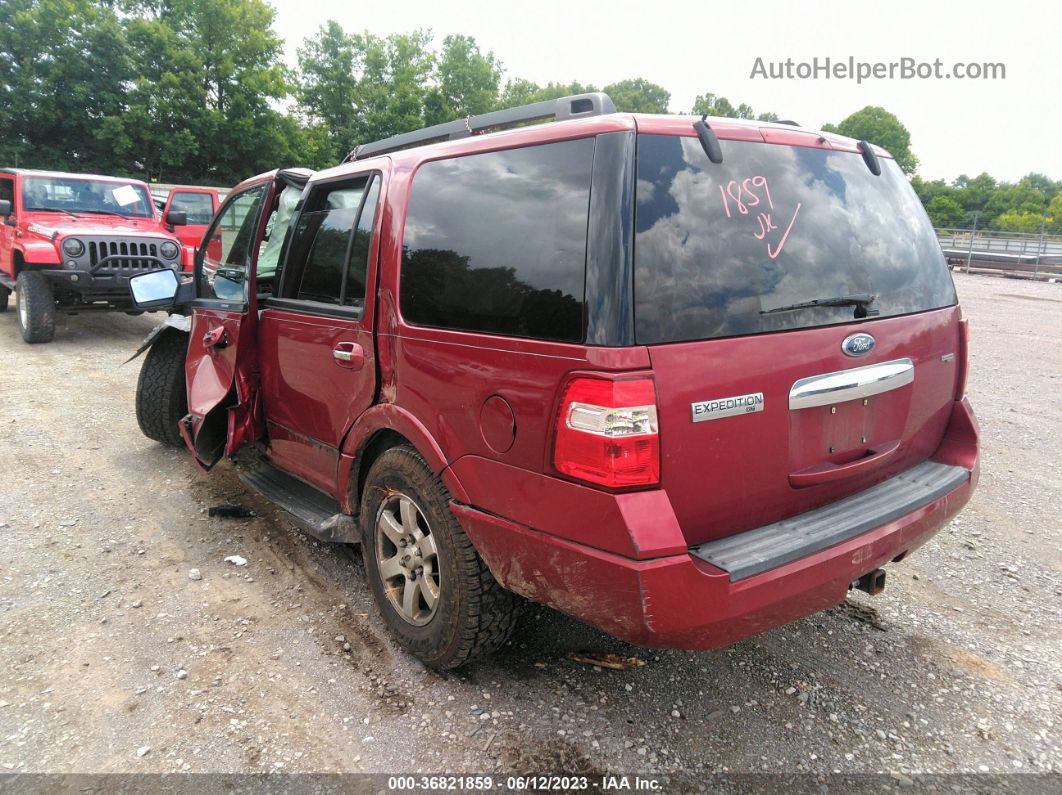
{"x":828,"y":473}
{"x":859,"y":382}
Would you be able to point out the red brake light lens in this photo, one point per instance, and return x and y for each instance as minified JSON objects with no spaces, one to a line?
{"x":607,"y":432}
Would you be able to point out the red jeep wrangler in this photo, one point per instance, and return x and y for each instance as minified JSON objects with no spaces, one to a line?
{"x":685,"y":380}
{"x":69,"y":243}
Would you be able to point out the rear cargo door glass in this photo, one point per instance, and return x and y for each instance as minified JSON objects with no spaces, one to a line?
{"x":718,"y":246}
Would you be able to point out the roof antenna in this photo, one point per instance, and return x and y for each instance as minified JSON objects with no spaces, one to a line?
{"x":870,"y":157}
{"x":708,"y":140}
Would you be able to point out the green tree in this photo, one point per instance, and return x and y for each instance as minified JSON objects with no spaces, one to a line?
{"x":63,"y":68}
{"x":714,"y":105}
{"x":878,"y":126}
{"x":929,"y":190}
{"x":164,"y":104}
{"x":201,"y":106}
{"x":1023,"y":198}
{"x":354,"y":88}
{"x":329,"y":77}
{"x":523,"y":92}
{"x":394,"y":85}
{"x":945,"y":211}
{"x":467,"y":81}
{"x":973,"y":193}
{"x":1054,"y":215}
{"x":638,"y":95}
{"x":1019,"y":221}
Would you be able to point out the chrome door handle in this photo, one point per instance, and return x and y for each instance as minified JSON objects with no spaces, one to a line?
{"x":349,"y":354}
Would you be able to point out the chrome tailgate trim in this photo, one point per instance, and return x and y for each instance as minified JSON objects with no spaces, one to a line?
{"x":859,"y":382}
{"x":764,"y":548}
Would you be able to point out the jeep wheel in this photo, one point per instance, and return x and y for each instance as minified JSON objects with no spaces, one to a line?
{"x":36,"y":307}
{"x":161,"y":400}
{"x":435,"y":593}
{"x":4,"y":295}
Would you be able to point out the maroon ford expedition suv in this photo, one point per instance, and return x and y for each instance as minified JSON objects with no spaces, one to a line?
{"x":684,"y":379}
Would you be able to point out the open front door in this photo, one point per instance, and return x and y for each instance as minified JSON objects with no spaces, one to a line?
{"x":224,"y":406}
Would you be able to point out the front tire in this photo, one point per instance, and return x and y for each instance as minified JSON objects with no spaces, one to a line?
{"x":161,"y":398}
{"x":435,"y":593}
{"x":36,"y":307}
{"x":5,"y":294}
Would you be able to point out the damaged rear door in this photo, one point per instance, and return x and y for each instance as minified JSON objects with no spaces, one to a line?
{"x":223,"y":401}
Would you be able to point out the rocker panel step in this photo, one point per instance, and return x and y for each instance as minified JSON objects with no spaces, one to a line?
{"x":312,"y":509}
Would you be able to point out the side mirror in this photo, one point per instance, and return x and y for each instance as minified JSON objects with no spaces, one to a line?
{"x":177,"y":218}
{"x":154,"y":290}
{"x":5,"y":208}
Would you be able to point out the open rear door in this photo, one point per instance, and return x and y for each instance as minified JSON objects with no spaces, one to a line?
{"x":223,"y":401}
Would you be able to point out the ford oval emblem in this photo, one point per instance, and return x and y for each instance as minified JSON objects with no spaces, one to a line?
{"x":858,"y":345}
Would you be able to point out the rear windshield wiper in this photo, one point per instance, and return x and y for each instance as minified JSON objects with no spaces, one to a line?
{"x":861,"y":301}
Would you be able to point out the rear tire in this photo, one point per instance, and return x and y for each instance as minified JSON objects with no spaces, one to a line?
{"x":36,"y":307}
{"x":161,"y":399}
{"x":470,"y":614}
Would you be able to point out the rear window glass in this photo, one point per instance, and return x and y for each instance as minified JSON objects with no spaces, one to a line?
{"x":198,"y":206}
{"x":717,"y":246}
{"x":496,"y":242}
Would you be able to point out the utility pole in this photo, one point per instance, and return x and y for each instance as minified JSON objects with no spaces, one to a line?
{"x":969,"y":253}
{"x":1039,"y":251}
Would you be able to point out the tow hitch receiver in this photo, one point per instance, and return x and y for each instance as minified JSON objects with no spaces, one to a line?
{"x":872,"y":582}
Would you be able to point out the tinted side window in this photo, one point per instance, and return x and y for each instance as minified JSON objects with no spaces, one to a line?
{"x":357,"y":273}
{"x":496,"y":242}
{"x":324,"y":244}
{"x":225,"y":252}
{"x":7,"y":191}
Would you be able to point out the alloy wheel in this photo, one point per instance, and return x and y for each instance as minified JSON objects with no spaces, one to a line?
{"x":407,"y":559}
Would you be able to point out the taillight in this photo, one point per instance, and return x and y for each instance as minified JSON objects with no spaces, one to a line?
{"x":964,"y":358}
{"x":607,"y":432}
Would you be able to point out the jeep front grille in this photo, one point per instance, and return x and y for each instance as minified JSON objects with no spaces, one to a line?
{"x":129,"y":253}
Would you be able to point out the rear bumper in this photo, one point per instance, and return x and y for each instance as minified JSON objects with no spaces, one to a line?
{"x":682,"y":601}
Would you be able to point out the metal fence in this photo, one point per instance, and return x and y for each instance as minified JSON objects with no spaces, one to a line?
{"x":1026,"y":255}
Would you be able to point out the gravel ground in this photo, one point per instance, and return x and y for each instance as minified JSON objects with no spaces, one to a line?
{"x":128,"y":644}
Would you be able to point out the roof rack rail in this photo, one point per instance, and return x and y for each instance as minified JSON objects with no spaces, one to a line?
{"x":577,"y":106}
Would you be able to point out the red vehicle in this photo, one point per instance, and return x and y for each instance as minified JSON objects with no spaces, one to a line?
{"x":70,"y":242}
{"x":685,"y":380}
{"x":198,"y":203}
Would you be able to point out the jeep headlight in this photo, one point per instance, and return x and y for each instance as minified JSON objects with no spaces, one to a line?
{"x":169,"y":250}
{"x":73,"y":247}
